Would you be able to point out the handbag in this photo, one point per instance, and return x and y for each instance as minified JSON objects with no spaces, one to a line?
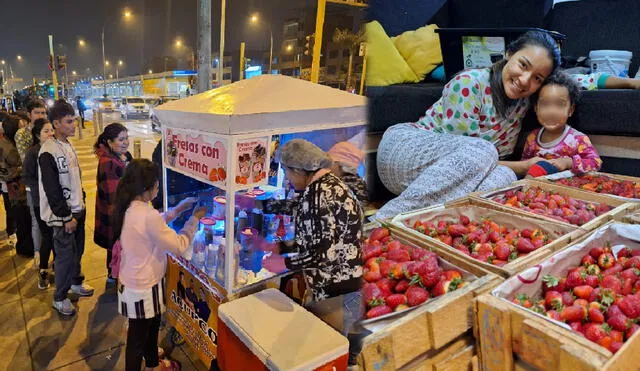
{"x":116,"y":256}
{"x":16,"y":190}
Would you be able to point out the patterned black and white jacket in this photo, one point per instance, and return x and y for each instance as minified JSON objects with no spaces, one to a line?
{"x":328,"y":238}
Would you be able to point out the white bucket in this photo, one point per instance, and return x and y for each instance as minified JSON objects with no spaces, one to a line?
{"x":613,"y":62}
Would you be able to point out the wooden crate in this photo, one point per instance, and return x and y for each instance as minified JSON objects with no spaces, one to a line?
{"x":614,"y":176}
{"x":569,"y":234}
{"x":620,"y":207}
{"x":427,"y":329}
{"x":632,"y":217}
{"x":459,"y":355}
{"x":509,"y":337}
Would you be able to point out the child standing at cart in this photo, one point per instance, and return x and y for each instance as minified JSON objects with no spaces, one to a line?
{"x":563,"y":147}
{"x":146,"y":238}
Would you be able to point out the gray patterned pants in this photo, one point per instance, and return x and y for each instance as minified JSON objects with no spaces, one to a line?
{"x":426,"y":168}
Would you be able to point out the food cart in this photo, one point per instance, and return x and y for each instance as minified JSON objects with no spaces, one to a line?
{"x":223,"y":142}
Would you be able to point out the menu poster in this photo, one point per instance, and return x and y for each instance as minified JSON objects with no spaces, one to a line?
{"x":203,"y":156}
{"x":252,"y":162}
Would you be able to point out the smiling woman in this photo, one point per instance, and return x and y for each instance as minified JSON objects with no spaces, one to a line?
{"x":454,"y":148}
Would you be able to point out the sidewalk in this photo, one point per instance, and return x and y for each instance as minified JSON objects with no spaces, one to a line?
{"x":33,"y":336}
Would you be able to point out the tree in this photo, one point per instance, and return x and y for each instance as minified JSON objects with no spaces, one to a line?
{"x":351,"y":41}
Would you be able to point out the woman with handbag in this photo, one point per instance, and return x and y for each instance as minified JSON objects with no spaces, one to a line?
{"x":11,"y":174}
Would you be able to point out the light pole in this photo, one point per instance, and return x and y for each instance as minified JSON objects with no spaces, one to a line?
{"x":118,"y":65}
{"x":254,"y":20}
{"x":127,"y":14}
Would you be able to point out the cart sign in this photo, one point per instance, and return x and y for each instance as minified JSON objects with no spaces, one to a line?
{"x":192,"y":308}
{"x":203,"y":156}
{"x":252,"y":161}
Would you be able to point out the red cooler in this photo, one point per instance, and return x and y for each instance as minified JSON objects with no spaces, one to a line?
{"x":268,"y":331}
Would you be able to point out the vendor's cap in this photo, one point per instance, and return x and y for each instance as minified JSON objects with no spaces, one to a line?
{"x":346,"y":154}
{"x":301,"y":154}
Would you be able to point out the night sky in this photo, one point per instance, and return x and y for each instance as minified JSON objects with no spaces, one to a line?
{"x":150,"y":32}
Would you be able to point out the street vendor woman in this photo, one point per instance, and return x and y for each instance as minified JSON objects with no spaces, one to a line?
{"x":328,"y":223}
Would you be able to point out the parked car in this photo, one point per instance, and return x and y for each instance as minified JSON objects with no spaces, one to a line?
{"x":103,"y":104}
{"x":134,"y":106}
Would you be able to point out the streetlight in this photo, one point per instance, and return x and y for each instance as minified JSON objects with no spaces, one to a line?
{"x":150,"y":71}
{"x":255,"y":19}
{"x":73,"y":73}
{"x":289,"y":47}
{"x":81,"y":42}
{"x":19,"y":57}
{"x":180,"y":44}
{"x":127,"y":15}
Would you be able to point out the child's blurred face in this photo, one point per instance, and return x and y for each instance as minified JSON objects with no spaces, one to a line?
{"x":554,"y":107}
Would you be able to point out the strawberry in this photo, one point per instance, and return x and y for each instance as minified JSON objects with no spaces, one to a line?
{"x":372,"y":295}
{"x":625,"y":252}
{"x":401,"y":307}
{"x":619,"y":322}
{"x":526,"y":233}
{"x":396,"y":299}
{"x":627,"y":286}
{"x":416,"y":296}
{"x":615,"y":269}
{"x":464,"y":220}
{"x":386,"y":285}
{"x":587,"y":260}
{"x":550,"y":282}
{"x":631,"y":330}
{"x":567,"y":298}
{"x":615,"y":346}
{"x":371,"y":251}
{"x":572,"y":313}
{"x":576,"y":278}
{"x":378,"y":234}
{"x":452,"y":274}
{"x":612,"y":283}
{"x":394,"y":245}
{"x":457,"y":230}
{"x":605,"y":341}
{"x":399,"y":255}
{"x":614,"y":310}
{"x":502,"y":250}
{"x":553,"y":300}
{"x":576,"y":326}
{"x":606,"y":260}
{"x":378,"y":311}
{"x":592,"y":281}
{"x":630,"y":306}
{"x":583,"y":292}
{"x":617,"y":336}
{"x":595,"y":332}
{"x":581,"y":303}
{"x":524,"y":245}
{"x":444,"y":286}
{"x":494,"y":236}
{"x":595,"y":315}
{"x":523,"y":300}
{"x":631,"y":273}
{"x":595,"y":295}
{"x":385,"y":267}
{"x":446,"y":239}
{"x":596,"y":252}
{"x":633,"y":262}
{"x":371,"y":276}
{"x":554,"y":315}
{"x":420,"y":254}
{"x":593,"y":269}
{"x":402,"y":286}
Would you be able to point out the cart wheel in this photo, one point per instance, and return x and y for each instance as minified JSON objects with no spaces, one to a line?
{"x":176,"y":338}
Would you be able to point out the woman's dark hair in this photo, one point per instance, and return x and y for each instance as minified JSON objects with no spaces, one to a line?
{"x":560,"y":78}
{"x":501,"y":102}
{"x":23,"y":115}
{"x":139,"y":176}
{"x":33,"y":104}
{"x":110,"y":132}
{"x":60,"y":109}
{"x":11,"y":126}
{"x":37,"y":128}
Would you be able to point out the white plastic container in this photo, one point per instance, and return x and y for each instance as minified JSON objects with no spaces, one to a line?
{"x":614,"y":62}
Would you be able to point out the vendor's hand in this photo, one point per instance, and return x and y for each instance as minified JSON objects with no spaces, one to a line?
{"x":274,"y":263}
{"x":185,"y":204}
{"x":562,"y":163}
{"x":71,"y":226}
{"x":200,"y":212}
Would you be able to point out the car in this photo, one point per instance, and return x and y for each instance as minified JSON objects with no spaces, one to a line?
{"x":134,"y":106}
{"x":103,"y":104}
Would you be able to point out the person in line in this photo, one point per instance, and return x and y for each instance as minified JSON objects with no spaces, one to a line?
{"x":41,"y":132}
{"x":146,"y":238}
{"x":10,"y":224}
{"x":11,"y":175}
{"x":24,"y":141}
{"x":346,"y":160}
{"x":562,"y":146}
{"x":112,"y":149}
{"x":62,"y":206}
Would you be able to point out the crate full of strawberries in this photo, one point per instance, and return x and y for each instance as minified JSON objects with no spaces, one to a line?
{"x":491,"y":236}
{"x":557,"y":203}
{"x":627,"y":188}
{"x":399,"y":276}
{"x":591,"y":288}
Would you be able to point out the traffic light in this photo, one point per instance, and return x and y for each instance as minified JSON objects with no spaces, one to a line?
{"x":61,"y":61}
{"x":308,"y":46}
{"x":50,"y":59}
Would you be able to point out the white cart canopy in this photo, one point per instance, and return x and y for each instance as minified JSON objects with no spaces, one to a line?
{"x":264,"y":103}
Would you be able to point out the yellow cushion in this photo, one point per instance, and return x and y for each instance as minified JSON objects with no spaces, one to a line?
{"x":385,"y":65}
{"x":421,"y":49}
